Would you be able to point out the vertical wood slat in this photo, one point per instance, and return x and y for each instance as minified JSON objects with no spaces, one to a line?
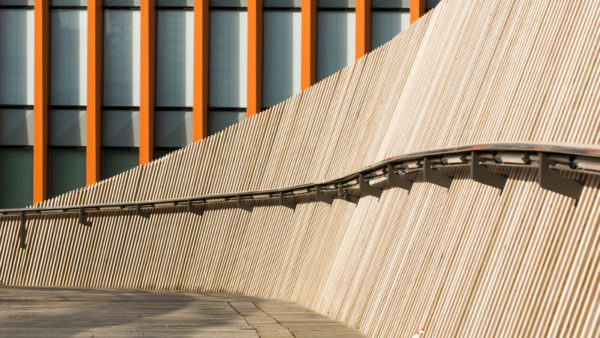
{"x":309,"y":44}
{"x":459,"y":262}
{"x":40,"y":101}
{"x":94,"y":92}
{"x":255,"y":57}
{"x":201,"y":58}
{"x":147,"y":79}
{"x":363,"y":28}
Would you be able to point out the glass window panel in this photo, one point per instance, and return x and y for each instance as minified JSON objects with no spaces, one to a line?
{"x":68,"y":60}
{"x":115,"y":161}
{"x":122,"y":3}
{"x":121,"y":58}
{"x":120,"y":128}
{"x":281,"y":50}
{"x":282,"y":3}
{"x":228,"y":58}
{"x":16,"y":177}
{"x":175,"y":59}
{"x":68,"y":3}
{"x":432,"y":3}
{"x":67,"y":128}
{"x":390,"y":4}
{"x":174,"y":129}
{"x":16,"y":56}
{"x":219,"y":120}
{"x":16,"y":127}
{"x":175,"y":3}
{"x":386,"y":25}
{"x":67,"y":170}
{"x":336,"y":3}
{"x":158,"y":153}
{"x":16,"y":3}
{"x":335,"y":42}
{"x":229,"y":3}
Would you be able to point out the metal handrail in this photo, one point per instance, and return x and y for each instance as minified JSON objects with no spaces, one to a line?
{"x":396,"y":171}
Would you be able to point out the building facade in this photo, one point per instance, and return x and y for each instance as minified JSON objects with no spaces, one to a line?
{"x":91,"y":88}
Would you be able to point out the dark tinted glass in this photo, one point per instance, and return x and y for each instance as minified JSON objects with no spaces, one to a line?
{"x":282,"y":3}
{"x":122,"y":3}
{"x":67,"y":170}
{"x":116,"y":161}
{"x":390,"y":4}
{"x":16,"y":172}
{"x":59,"y":3}
{"x":16,"y":3}
{"x":175,"y":3}
{"x":229,"y":3}
{"x":336,"y":3}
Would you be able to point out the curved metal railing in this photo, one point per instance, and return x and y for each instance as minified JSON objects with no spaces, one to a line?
{"x":400,"y":171}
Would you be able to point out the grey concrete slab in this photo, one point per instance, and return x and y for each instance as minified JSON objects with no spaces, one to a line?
{"x":60,"y":312}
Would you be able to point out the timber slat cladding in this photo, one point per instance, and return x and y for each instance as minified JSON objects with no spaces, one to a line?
{"x":464,"y":261}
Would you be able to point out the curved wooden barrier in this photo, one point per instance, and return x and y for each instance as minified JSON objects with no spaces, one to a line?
{"x":463,"y":261}
{"x":397,"y":172}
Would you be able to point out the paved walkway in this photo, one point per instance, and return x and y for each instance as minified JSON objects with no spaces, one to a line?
{"x":60,"y":312}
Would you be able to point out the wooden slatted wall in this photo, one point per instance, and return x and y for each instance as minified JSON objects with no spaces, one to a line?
{"x":460,"y":262}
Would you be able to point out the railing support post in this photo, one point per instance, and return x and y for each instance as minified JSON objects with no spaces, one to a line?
{"x":286,"y":203}
{"x":343,"y":194}
{"x":83,"y":219}
{"x":482,"y":175}
{"x":433,"y":176}
{"x":244,"y":205}
{"x":551,"y":180}
{"x":396,"y":180}
{"x":366,"y":188}
{"x":194,"y":210}
{"x":142,"y":213}
{"x":320,"y":197}
{"x":23,"y":231}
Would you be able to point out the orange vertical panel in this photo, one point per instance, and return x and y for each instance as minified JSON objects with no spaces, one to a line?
{"x":255,"y":57}
{"x":201,"y":57}
{"x":147,"y":79}
{"x":40,"y":103}
{"x":309,"y":43}
{"x":94,"y":91}
{"x":363,"y":28}
{"x":417,"y":9}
